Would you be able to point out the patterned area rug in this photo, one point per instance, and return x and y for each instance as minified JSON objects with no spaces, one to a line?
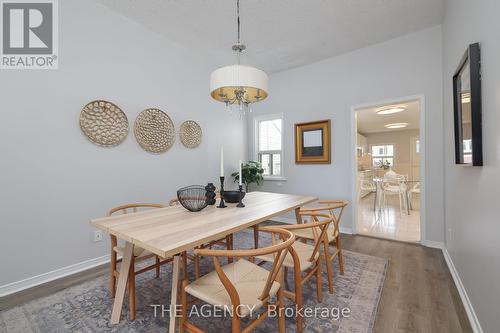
{"x":87,"y":307}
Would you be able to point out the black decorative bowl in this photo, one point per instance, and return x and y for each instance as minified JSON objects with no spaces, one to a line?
{"x":193,"y":197}
{"x":233,"y":196}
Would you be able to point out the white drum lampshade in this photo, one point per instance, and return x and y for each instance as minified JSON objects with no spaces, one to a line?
{"x":226,"y":81}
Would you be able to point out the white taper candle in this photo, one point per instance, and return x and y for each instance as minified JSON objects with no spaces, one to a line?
{"x":222,"y":161}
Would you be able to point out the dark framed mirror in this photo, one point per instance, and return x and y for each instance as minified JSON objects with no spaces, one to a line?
{"x":467,"y":108}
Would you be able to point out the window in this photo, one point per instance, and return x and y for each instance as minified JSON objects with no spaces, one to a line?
{"x":467,"y":146}
{"x":269,"y":137}
{"x":382,"y":155}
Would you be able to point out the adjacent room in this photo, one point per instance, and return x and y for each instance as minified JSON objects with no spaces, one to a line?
{"x":249,"y":166}
{"x":388,"y":171}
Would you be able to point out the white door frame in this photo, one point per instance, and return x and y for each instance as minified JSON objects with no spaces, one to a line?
{"x":423,"y":178}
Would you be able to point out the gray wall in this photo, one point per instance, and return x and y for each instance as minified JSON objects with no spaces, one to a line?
{"x":53,"y":180}
{"x":409,"y":65}
{"x":472,"y":218}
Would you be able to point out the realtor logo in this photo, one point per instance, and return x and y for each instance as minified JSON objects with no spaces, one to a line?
{"x":29,"y":36}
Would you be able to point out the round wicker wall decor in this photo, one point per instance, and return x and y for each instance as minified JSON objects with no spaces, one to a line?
{"x":190,"y":134}
{"x":154,"y":130}
{"x":104,"y":123}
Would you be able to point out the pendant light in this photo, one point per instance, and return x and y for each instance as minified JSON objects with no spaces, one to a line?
{"x":238,"y":85}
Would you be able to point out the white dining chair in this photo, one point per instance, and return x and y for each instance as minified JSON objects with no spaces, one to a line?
{"x":414,"y":190}
{"x":367,"y":185}
{"x":392,"y":186}
{"x":391,"y":174}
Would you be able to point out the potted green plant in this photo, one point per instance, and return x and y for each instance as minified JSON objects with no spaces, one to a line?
{"x":252,"y":172}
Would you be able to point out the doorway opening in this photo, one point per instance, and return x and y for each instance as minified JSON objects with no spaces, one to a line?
{"x":389,"y":170}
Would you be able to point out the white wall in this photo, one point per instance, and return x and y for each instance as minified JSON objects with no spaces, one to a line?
{"x":472,"y":215}
{"x":406,"y":66}
{"x":53,"y":180}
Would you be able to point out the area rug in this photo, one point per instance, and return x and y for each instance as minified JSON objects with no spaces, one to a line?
{"x":87,"y":307}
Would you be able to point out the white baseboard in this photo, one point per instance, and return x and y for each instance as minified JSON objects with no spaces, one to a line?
{"x":433,"y":244}
{"x":346,"y":230}
{"x":17,"y":286}
{"x":474,"y":321}
{"x":289,"y":220}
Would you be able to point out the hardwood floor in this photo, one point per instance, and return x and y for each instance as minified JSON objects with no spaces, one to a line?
{"x":419,"y":294}
{"x":51,"y":287}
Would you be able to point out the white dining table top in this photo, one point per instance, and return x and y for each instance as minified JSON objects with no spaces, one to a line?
{"x":171,"y":230}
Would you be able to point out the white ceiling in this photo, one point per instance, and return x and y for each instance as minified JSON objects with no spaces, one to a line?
{"x":280,"y":34}
{"x":370,"y":122}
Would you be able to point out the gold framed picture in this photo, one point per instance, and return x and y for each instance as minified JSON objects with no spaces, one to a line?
{"x":312,"y":142}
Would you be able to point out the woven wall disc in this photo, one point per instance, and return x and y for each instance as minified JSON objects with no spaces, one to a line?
{"x":104,"y":123}
{"x":190,"y":134}
{"x":154,"y":130}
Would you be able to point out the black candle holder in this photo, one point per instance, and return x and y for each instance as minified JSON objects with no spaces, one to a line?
{"x":240,"y":204}
{"x":222,"y":204}
{"x":210,"y":194}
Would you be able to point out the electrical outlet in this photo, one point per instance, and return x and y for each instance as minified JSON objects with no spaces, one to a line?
{"x":97,"y":235}
{"x":449,"y":234}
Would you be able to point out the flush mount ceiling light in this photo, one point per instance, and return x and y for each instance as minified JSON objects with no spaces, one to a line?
{"x":390,"y":109}
{"x":396,"y":125}
{"x":238,"y":84}
{"x":465,"y":97}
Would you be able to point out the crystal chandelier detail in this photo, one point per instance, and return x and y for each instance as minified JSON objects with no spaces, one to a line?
{"x":238,"y":85}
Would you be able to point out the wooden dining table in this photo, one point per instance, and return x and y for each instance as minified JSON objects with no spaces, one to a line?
{"x":167,"y":232}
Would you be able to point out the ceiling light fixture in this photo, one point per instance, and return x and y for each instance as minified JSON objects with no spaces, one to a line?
{"x":390,"y":109}
{"x":465,"y":97}
{"x":238,"y":84}
{"x":396,"y":125}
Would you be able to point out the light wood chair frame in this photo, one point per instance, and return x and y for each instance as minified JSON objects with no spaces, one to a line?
{"x":280,"y":250}
{"x":114,"y":273}
{"x":315,"y":270}
{"x":226,"y":241}
{"x":331,"y":206}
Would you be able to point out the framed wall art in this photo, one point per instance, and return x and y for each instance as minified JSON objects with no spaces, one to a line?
{"x":312,"y":142}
